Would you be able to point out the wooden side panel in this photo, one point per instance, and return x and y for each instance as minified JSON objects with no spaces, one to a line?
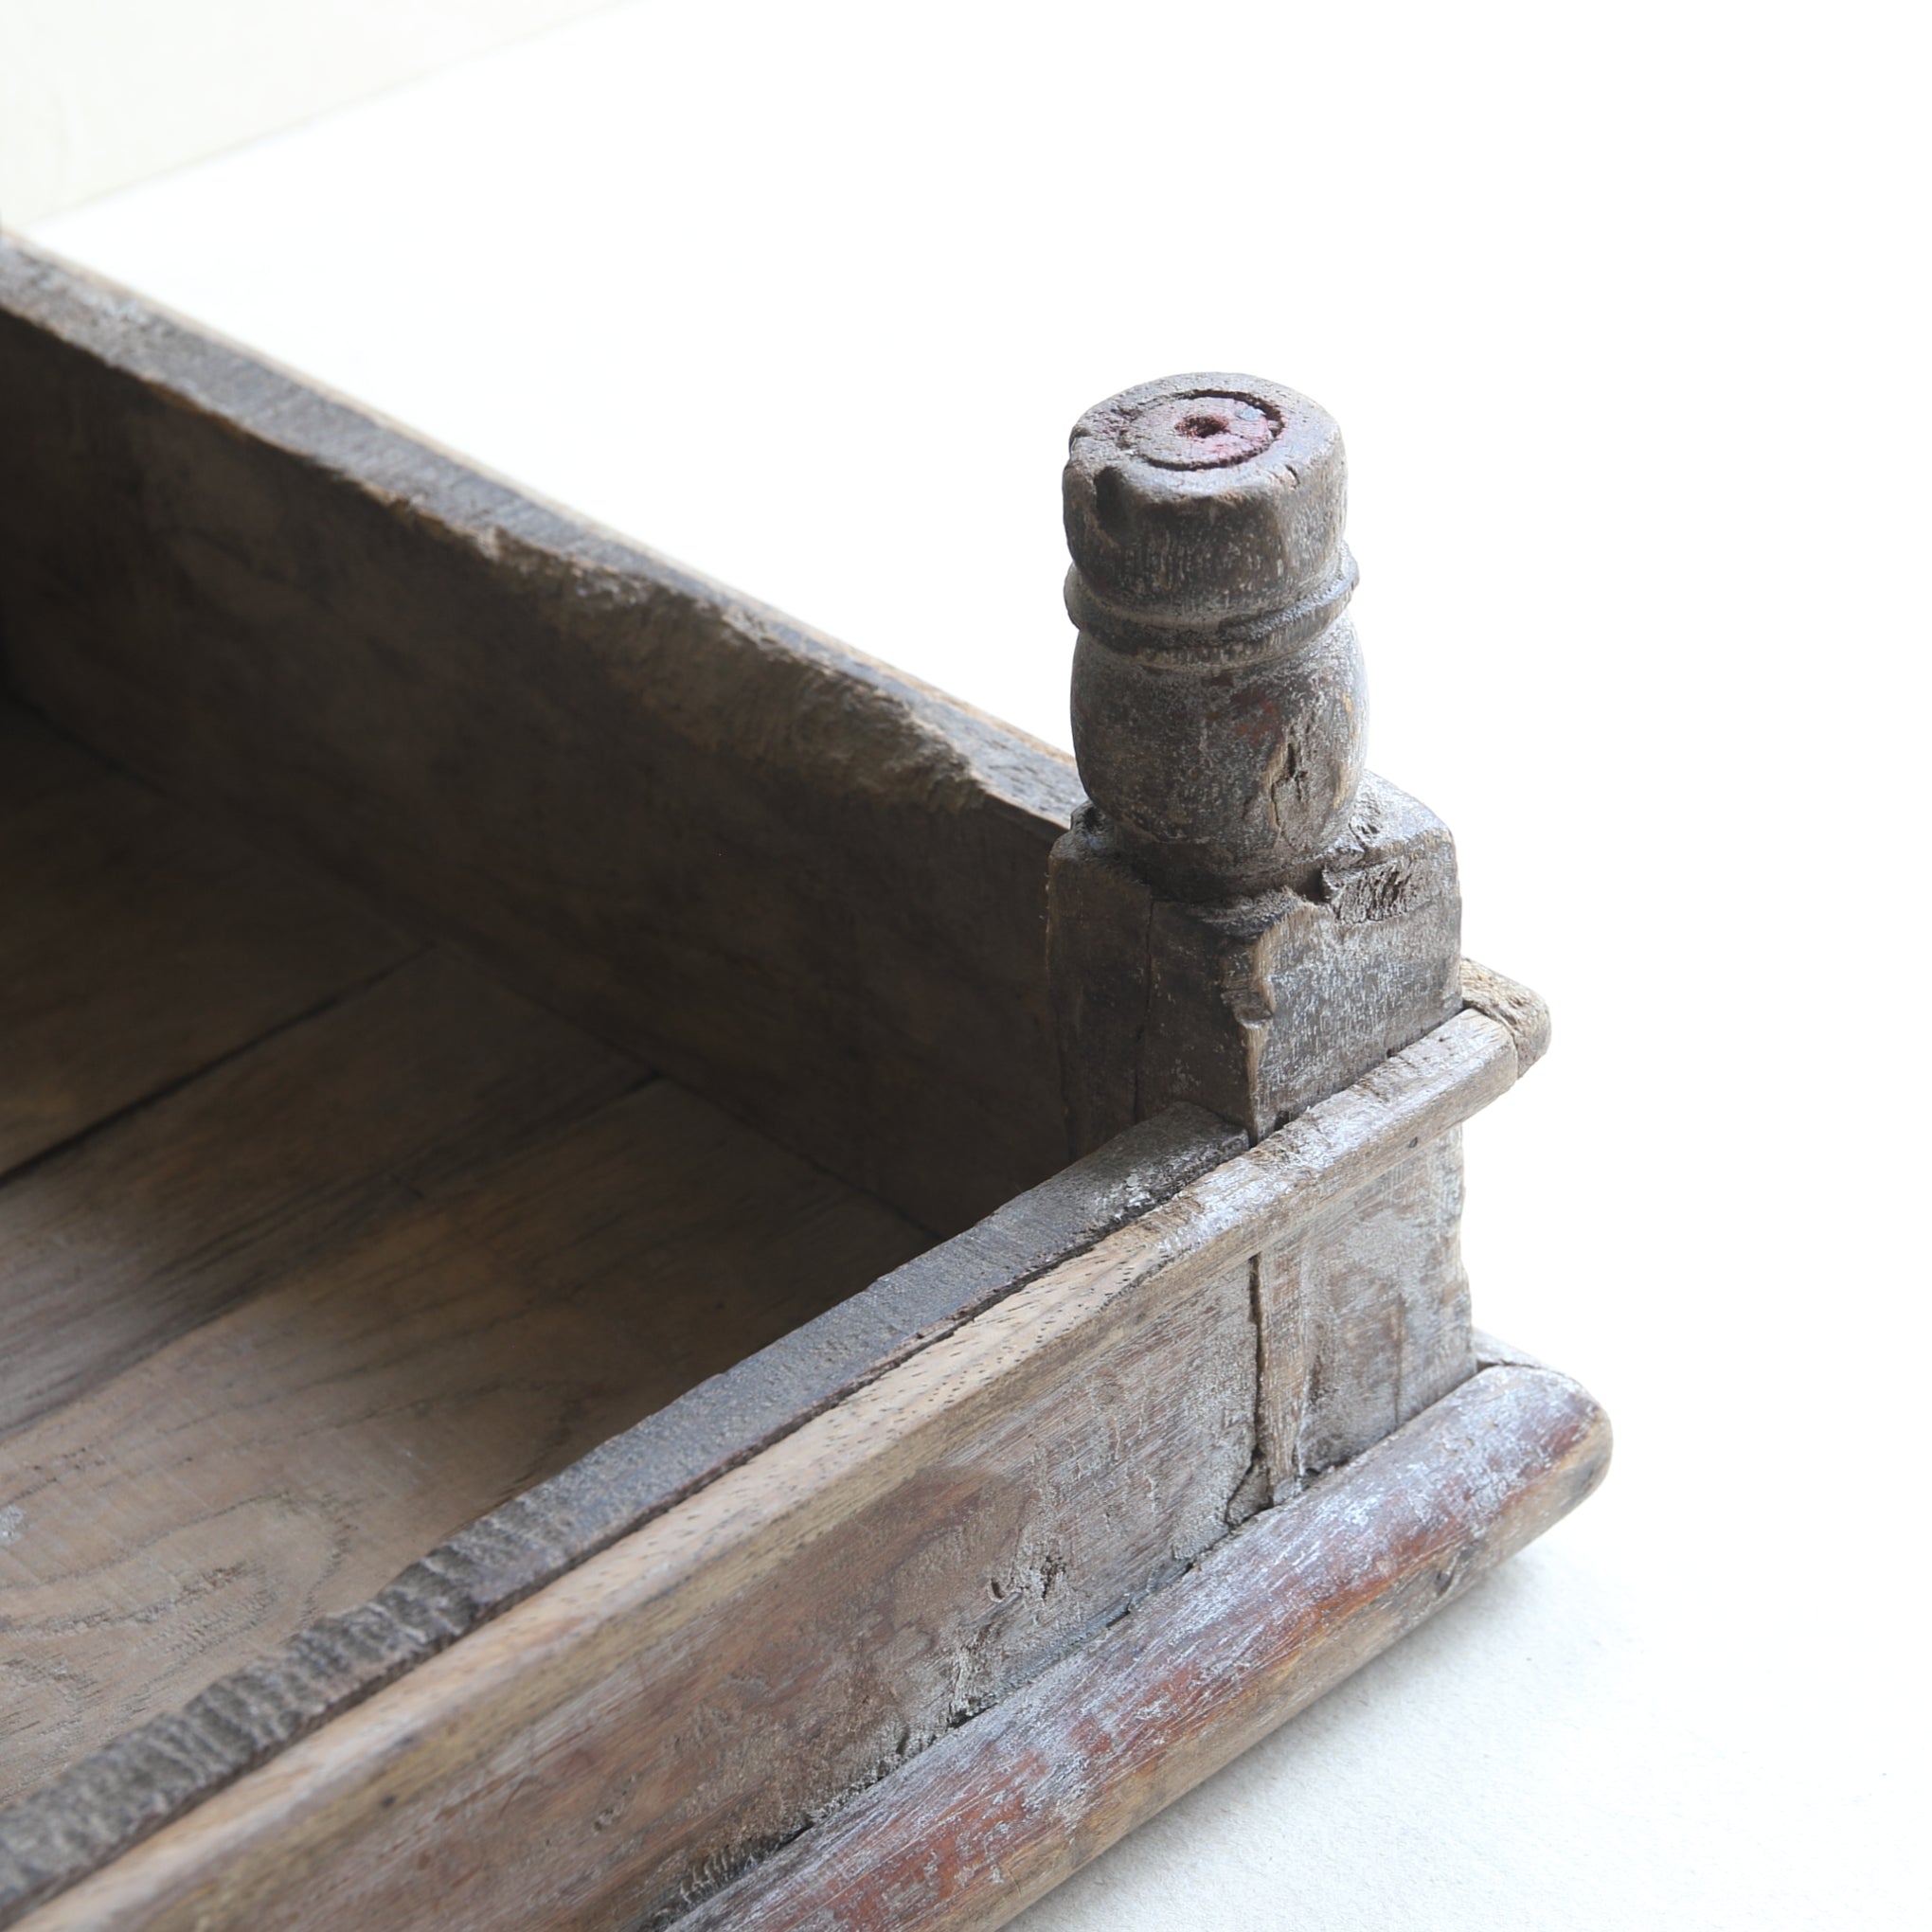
{"x":965,"y":1838}
{"x":922,"y":1607}
{"x":801,"y":883}
{"x":1364,"y":1317}
{"x":702,"y":1689}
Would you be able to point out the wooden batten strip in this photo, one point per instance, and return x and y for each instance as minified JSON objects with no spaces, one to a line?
{"x":972,"y":1830}
{"x":352,"y":1823}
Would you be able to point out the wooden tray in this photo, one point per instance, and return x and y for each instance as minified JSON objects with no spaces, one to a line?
{"x":554,"y":1368}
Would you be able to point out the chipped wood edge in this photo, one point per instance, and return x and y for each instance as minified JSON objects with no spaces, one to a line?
{"x":1510,"y":1004}
{"x":976,"y":1827}
{"x":464,"y":503}
{"x":274,"y":582}
{"x":309,"y":1805}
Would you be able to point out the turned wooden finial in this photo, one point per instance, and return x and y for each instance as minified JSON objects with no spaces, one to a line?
{"x":1240,"y":917}
{"x":1219,"y":709}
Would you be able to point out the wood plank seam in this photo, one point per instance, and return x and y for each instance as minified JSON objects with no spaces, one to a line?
{"x":142,"y":942}
{"x":1255,"y":1491}
{"x":168,"y":1089}
{"x":205,"y":1216}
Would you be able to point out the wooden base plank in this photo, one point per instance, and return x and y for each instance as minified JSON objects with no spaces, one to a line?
{"x":138,"y":943}
{"x":975,"y":1829}
{"x":190,"y":1205}
{"x":284,"y":1461}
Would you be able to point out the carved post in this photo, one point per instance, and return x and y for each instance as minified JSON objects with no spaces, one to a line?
{"x":1240,"y":917}
{"x":1243,"y":917}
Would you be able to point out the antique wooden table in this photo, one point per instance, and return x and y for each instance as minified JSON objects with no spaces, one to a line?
{"x":648,"y":1274}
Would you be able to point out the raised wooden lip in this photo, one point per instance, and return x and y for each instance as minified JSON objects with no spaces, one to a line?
{"x":972,"y":1831}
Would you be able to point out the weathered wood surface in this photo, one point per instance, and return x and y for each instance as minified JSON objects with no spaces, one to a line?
{"x":1242,"y":918}
{"x":720,"y":842}
{"x":1220,"y":709}
{"x":160,"y":1770}
{"x":1512,"y":1005}
{"x":703,"y":1687}
{"x":1365,"y":1318}
{"x":802,"y":883}
{"x":1255,"y":1007}
{"x":284,"y":1461}
{"x":275,"y":1158}
{"x":967,"y":1835}
{"x":137,"y":944}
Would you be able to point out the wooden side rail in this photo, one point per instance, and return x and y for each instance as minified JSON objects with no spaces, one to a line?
{"x":699,"y":1691}
{"x":968,"y":1835}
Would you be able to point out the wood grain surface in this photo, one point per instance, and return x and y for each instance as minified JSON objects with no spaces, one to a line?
{"x":1515,"y":1006}
{"x":138,"y":943}
{"x":802,"y":883}
{"x":302,"y":1146}
{"x":998,"y":1813}
{"x":1251,"y":1007}
{"x":322,"y":1246}
{"x":704,"y":1687}
{"x":167,"y":1763}
{"x":283,"y":1460}
{"x":1364,"y":1317}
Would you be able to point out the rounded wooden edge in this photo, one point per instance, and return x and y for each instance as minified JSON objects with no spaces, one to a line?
{"x":997,"y":1813}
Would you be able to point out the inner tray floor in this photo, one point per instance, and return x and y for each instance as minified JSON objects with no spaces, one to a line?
{"x":315,"y":1244}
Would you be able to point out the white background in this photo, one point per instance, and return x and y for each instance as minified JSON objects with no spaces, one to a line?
{"x":1623,"y":313}
{"x":97,"y":94}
